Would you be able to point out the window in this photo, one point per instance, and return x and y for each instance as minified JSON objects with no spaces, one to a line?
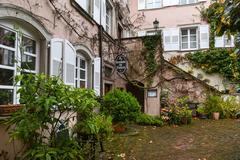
{"x":182,"y":2}
{"x":81,"y":72}
{"x":14,"y":53}
{"x":228,"y":41}
{"x":109,"y":18}
{"x":189,"y":38}
{"x":153,"y":4}
{"x":85,"y":4}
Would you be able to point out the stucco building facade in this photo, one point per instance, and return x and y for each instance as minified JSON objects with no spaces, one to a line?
{"x":76,"y":40}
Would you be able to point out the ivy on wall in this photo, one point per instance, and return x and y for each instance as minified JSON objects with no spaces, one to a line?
{"x":223,"y":61}
{"x":152,"y":53}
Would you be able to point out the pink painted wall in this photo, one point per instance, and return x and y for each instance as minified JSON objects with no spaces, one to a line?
{"x":170,"y":16}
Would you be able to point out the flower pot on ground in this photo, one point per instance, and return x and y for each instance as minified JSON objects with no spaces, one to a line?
{"x":216,"y":115}
{"x":119,"y":127}
{"x":201,"y":112}
{"x":185,"y":115}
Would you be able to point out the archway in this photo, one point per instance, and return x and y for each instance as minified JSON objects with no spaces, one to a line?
{"x":137,"y":90}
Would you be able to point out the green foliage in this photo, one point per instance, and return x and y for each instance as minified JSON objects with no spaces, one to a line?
{"x":201,"y":109}
{"x":224,"y":15}
{"x":230,"y":107}
{"x":121,"y":105}
{"x":144,"y":119}
{"x":178,"y":113}
{"x":213,"y":104}
{"x":222,"y":61}
{"x":151,"y":52}
{"x":48,"y":104}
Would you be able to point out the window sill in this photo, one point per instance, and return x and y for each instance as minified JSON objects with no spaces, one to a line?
{"x":178,"y":5}
{"x":7,"y":110}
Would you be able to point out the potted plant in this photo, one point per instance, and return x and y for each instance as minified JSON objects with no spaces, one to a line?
{"x":213,"y":106}
{"x":185,"y":115}
{"x":201,"y":112}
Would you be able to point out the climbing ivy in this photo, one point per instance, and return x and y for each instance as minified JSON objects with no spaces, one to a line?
{"x":223,"y":61}
{"x":152,"y":53}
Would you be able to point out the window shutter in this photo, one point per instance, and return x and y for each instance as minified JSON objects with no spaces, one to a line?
{"x":232,"y":41}
{"x":69,"y":62}
{"x":166,"y":3}
{"x":171,"y":39}
{"x":175,"y":39}
{"x":141,"y":33}
{"x":103,"y":19}
{"x":96,"y":12}
{"x":175,"y":2}
{"x":204,"y":36}
{"x":167,"y":39}
{"x":56,"y":56}
{"x":97,"y":75}
{"x":141,"y":4}
{"x":219,"y":42}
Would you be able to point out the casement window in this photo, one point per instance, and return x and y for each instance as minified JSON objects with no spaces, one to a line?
{"x":149,"y":4}
{"x":224,"y":41}
{"x":183,"y":2}
{"x":81,"y":72}
{"x":109,"y":18}
{"x":18,"y":55}
{"x":189,"y":38}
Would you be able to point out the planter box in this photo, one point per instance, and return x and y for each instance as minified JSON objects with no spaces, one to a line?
{"x":7,"y":110}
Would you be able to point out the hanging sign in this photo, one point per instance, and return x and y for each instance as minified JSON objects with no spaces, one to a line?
{"x":121,"y":63}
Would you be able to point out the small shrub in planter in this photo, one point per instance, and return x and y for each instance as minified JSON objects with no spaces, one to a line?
{"x":213,"y":106}
{"x":121,"y":105}
{"x":186,"y":115}
{"x":201,"y":112}
{"x":144,"y":119}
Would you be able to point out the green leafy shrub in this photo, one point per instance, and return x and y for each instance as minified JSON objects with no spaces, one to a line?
{"x":51,"y":109}
{"x":144,"y":119}
{"x":213,"y":104}
{"x":178,"y":113}
{"x":230,"y":107}
{"x":121,"y":105}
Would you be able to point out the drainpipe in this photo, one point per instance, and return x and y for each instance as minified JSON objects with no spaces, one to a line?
{"x":100,"y":32}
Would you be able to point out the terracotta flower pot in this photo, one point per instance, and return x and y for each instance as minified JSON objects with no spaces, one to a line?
{"x":216,"y":115}
{"x":6,"y":110}
{"x":119,"y":128}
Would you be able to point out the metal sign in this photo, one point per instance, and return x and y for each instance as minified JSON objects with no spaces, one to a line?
{"x":121,"y":63}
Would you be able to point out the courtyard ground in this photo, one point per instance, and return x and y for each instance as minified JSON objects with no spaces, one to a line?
{"x":202,"y":140}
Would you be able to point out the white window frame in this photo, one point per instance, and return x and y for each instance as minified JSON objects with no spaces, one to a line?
{"x":17,"y":57}
{"x":79,"y":57}
{"x":189,"y":35}
{"x":187,"y":2}
{"x":109,"y":17}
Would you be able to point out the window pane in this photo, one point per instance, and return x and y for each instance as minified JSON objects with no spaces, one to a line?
{"x":28,"y":62}
{"x":29,"y":45}
{"x":184,"y":32}
{"x":6,"y":77}
{"x":76,"y":84}
{"x":76,"y":61}
{"x":193,"y":38}
{"x":82,"y":84}
{"x":193,"y":45}
{"x":185,"y":39}
{"x":82,"y":64}
{"x":184,"y":45}
{"x":82,"y":74}
{"x":193,"y":31}
{"x":7,"y":37}
{"x":6,"y":96}
{"x":6,"y":57}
